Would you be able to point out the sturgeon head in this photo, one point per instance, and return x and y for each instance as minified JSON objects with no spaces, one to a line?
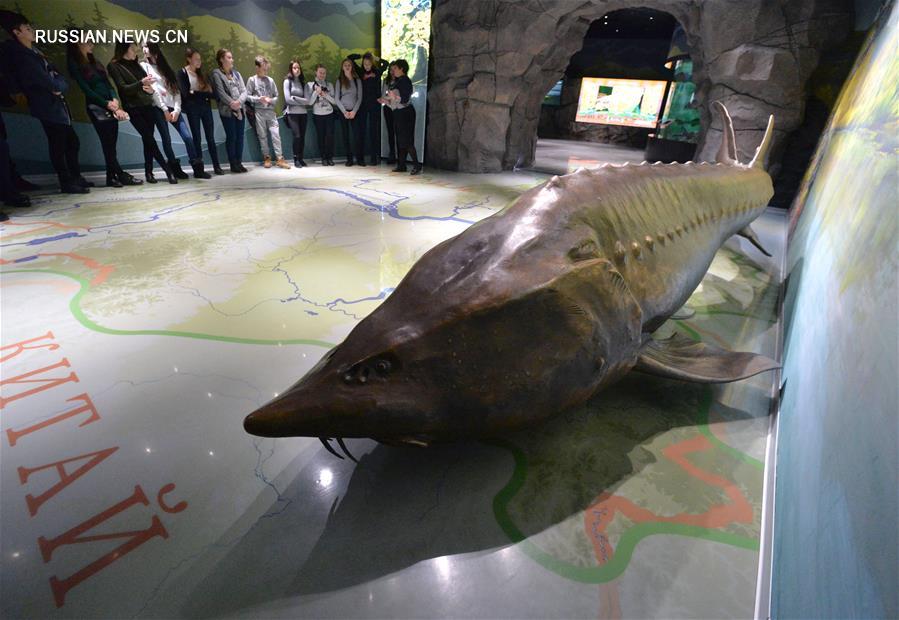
{"x":514,"y":319}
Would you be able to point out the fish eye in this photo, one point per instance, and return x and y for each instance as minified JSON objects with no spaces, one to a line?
{"x":348,"y":377}
{"x":382,"y":366}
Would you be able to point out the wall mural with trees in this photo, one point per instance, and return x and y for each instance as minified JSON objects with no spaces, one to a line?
{"x":315,"y":31}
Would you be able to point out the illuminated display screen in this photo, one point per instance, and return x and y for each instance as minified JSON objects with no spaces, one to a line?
{"x":607,"y":101}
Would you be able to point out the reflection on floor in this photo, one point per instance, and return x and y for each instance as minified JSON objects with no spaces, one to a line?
{"x":154,"y":319}
{"x":564,"y":156}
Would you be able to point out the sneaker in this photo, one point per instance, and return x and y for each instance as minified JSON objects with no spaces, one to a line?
{"x":267,"y":162}
{"x":282,"y":164}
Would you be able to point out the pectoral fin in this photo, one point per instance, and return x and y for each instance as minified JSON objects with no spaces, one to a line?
{"x":678,"y":357}
{"x":748,"y":233}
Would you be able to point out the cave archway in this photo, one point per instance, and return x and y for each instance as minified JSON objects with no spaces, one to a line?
{"x":495,"y":60}
{"x":626,"y":95}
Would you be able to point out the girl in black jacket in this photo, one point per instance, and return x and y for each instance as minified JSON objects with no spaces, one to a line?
{"x":196,"y":94}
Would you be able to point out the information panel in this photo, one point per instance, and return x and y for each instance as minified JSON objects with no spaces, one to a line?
{"x":609,"y":101}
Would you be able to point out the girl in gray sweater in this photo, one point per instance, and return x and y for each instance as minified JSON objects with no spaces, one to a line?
{"x":231,"y":94}
{"x":323,"y":103}
{"x":296,"y":100}
{"x":349,"y":93}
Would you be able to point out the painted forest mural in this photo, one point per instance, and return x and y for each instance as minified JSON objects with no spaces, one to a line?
{"x":315,"y":31}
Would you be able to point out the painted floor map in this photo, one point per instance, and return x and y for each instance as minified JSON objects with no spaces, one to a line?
{"x":139,"y":327}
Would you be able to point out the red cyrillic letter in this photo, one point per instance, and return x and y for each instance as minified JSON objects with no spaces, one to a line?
{"x":14,"y":435}
{"x":20,"y":346}
{"x":65,"y":478}
{"x":48,"y":383}
{"x":61,"y":587}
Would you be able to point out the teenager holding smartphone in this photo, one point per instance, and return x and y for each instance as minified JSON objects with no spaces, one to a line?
{"x":323,"y":106}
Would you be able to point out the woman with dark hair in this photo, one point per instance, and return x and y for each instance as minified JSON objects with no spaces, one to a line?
{"x":196,"y":93}
{"x":168,"y":102}
{"x":296,"y":99}
{"x":388,"y":115}
{"x":323,"y":104}
{"x":231,"y":93}
{"x":136,"y":90}
{"x":367,"y":117}
{"x":399,"y":98}
{"x":348,"y":91}
{"x":103,"y":107}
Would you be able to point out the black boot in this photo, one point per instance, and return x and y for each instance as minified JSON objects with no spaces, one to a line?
{"x":127,"y":179}
{"x":217,"y":169}
{"x":349,"y":160}
{"x":241,"y":168}
{"x":302,"y":163}
{"x":199,"y":173}
{"x":170,"y":175}
{"x":112,"y":180}
{"x":175,"y":169}
{"x":235,"y":167}
{"x":149,"y":176}
{"x":416,"y":169}
{"x":80,"y":180}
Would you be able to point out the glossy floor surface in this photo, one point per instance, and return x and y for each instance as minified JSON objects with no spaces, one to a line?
{"x":140,"y":326}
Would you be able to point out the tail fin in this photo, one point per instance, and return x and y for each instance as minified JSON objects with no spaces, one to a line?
{"x":727,"y":153}
{"x":761,"y":153}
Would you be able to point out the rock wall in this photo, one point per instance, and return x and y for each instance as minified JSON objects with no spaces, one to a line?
{"x":494,"y":60}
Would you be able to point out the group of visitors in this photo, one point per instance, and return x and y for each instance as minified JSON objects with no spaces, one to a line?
{"x":139,"y":85}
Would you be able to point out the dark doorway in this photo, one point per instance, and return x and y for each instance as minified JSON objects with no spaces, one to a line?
{"x":628,"y":86}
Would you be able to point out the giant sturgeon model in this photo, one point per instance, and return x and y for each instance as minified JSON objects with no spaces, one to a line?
{"x":536,"y":308}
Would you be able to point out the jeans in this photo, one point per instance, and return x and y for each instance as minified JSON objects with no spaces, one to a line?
{"x":368,"y":118}
{"x":234,"y":128}
{"x":194,"y":118}
{"x":63,"y":143}
{"x":297,"y":124}
{"x":144,"y":120}
{"x":180,"y":126}
{"x":108,"y":132}
{"x":324,"y":130}
{"x":162,"y":126}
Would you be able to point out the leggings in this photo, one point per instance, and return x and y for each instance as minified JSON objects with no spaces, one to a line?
{"x":297,"y":124}
{"x":234,"y":128}
{"x":64,"y":145}
{"x":203,"y":115}
{"x":404,"y":123}
{"x":368,"y":118}
{"x":350,"y":142}
{"x":324,"y":130}
{"x":143,"y":119}
{"x":108,"y":132}
{"x":391,"y":132}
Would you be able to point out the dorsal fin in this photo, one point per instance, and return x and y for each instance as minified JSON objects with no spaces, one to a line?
{"x":727,"y":152}
{"x":761,"y":153}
